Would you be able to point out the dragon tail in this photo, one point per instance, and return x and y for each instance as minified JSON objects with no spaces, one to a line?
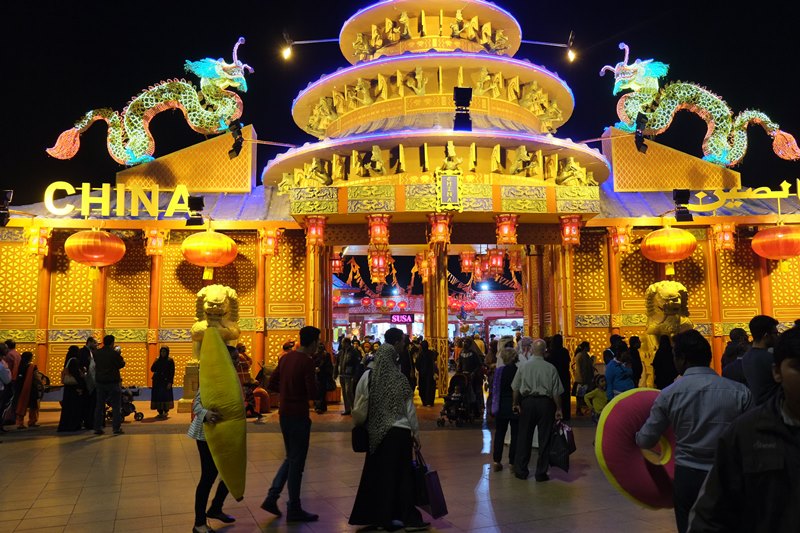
{"x":67,"y":144}
{"x":785,"y":146}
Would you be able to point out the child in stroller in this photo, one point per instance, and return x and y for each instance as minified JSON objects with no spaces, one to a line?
{"x":459,"y":407}
{"x":126,"y":405}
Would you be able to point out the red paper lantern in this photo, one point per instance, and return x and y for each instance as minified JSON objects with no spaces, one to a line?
{"x":778,"y":243}
{"x":483,"y":260}
{"x":571,"y":230}
{"x":724,"y":236}
{"x":210,"y":250}
{"x":620,"y":238}
{"x":315,"y":230}
{"x":440,"y":227}
{"x":378,"y":229}
{"x":496,"y":259}
{"x":391,"y":304}
{"x":379,"y":259}
{"x":668,"y":245}
{"x":402,"y":304}
{"x":506,"y":229}
{"x":467,"y":262}
{"x":337,"y":265}
{"x":94,"y":248}
{"x":366,"y":302}
{"x":336,"y":299}
{"x":269,"y":240}
{"x":455,"y":306}
{"x":379,"y":302}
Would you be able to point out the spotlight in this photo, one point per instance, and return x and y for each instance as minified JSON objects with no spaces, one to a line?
{"x":196,"y":205}
{"x":680,"y":196}
{"x":484,"y":286}
{"x":638,"y":136}
{"x":238,"y":140}
{"x":682,"y":214}
{"x":462,"y":96}
{"x":233,"y":153}
{"x":571,"y":55}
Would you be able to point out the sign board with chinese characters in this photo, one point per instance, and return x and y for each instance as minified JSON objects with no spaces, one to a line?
{"x":402,"y":318}
{"x":448,"y":188}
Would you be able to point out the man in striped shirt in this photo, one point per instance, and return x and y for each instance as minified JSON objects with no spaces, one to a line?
{"x":699,"y":407}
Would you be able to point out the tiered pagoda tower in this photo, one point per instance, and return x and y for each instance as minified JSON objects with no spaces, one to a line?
{"x":387,"y":142}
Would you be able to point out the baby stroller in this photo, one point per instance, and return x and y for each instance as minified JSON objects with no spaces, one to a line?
{"x":126,"y":405}
{"x":459,"y":404}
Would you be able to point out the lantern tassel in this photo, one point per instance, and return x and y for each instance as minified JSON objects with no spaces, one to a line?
{"x":94,"y":273}
{"x":670,"y":269}
{"x":783,"y":265}
{"x":208,"y":273}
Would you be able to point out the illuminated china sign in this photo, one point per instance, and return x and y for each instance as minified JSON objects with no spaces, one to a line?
{"x":130,"y":200}
{"x":402,"y":318}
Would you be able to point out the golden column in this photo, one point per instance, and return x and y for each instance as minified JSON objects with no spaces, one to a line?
{"x":261,"y":304}
{"x":318,"y":278}
{"x":436,"y":292}
{"x":717,"y":341}
{"x":43,"y":310}
{"x":613,"y":281}
{"x":532,"y":292}
{"x":154,"y":247}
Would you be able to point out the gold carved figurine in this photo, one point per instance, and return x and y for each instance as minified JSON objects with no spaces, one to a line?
{"x":451,"y":160}
{"x":418,"y":82}
{"x":317,"y":174}
{"x":361,"y":48}
{"x":500,"y":43}
{"x":361,"y":94}
{"x":375,"y":166}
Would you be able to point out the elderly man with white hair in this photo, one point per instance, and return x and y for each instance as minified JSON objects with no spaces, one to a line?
{"x":537,"y":394}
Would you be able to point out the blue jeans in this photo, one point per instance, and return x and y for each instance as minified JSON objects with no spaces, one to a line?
{"x":296,"y":432}
{"x":113,"y":393}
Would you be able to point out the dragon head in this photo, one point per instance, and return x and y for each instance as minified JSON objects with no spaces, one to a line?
{"x":636,"y":76}
{"x":221,"y":73}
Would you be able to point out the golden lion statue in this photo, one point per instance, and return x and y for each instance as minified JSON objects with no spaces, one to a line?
{"x":217,"y":307}
{"x":667,"y":314}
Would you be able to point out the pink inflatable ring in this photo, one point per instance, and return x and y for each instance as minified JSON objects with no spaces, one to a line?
{"x":644,"y":476}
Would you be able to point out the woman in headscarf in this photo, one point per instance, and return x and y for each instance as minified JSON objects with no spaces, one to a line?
{"x":524,"y":349}
{"x":386,"y":492}
{"x":163,"y":370}
{"x":26,"y":392}
{"x":426,"y":366}
{"x":75,"y":393}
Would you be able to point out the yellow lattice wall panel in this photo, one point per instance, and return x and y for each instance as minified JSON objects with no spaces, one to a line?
{"x":692,"y":273}
{"x":19,"y":279}
{"x":736,"y":271}
{"x":286,"y":271}
{"x":181,"y":281}
{"x":56,"y":357}
{"x":274,"y":341}
{"x":785,"y":285}
{"x":635,"y":272}
{"x":598,"y":340}
{"x":71,"y":289}
{"x":128,"y":287}
{"x":241,"y":274}
{"x":590,"y":281}
{"x":136,"y":369}
{"x":181,"y":353}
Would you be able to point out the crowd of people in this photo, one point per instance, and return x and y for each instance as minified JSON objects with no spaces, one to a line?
{"x":737,"y":434}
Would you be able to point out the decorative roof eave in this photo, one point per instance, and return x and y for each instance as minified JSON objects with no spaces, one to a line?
{"x":589,"y":157}
{"x":486,"y":11}
{"x":550,"y":82}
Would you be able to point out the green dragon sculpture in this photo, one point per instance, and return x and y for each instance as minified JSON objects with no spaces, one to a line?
{"x":725,"y":142}
{"x":207,"y":111}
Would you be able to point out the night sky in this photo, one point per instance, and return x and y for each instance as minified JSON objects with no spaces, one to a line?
{"x":64,"y":58}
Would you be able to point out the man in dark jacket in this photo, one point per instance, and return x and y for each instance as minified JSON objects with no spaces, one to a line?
{"x":108,"y":362}
{"x":754,"y":483}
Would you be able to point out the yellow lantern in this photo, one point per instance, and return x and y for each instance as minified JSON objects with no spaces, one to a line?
{"x":506,"y":229}
{"x":668,"y":245}
{"x":39,"y":240}
{"x":620,"y":238}
{"x":209,"y":250}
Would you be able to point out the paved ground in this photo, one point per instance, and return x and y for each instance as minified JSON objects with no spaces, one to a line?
{"x":144,"y":481}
